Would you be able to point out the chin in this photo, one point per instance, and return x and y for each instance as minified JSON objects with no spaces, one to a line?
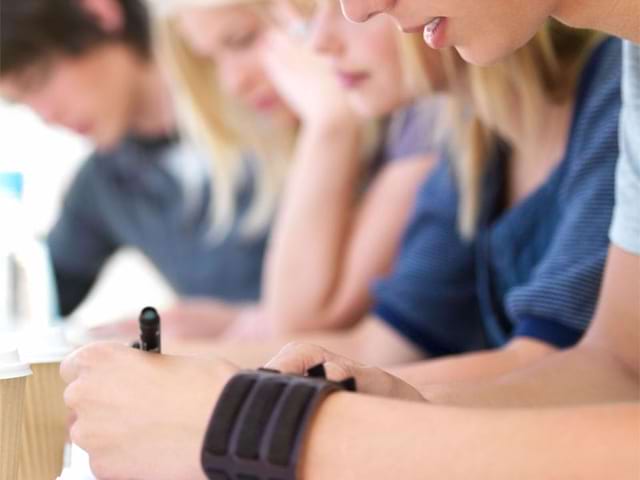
{"x":488,"y":49}
{"x":480,"y":57}
{"x":365,"y":108}
{"x":106,"y":142}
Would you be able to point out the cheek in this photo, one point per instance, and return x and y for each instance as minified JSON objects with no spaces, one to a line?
{"x":387,"y":87}
{"x":239,"y":73}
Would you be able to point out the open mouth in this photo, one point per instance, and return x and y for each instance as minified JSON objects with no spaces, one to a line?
{"x":434,"y":32}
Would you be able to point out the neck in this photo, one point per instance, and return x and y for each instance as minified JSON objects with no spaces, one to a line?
{"x":537,"y":149}
{"x":153,"y":114}
{"x":616,"y":17}
{"x":546,"y":139}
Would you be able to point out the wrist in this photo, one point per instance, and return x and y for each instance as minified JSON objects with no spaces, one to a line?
{"x":334,"y":121}
{"x":260,"y":423}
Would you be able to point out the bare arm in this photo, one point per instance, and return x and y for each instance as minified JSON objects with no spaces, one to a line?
{"x":371,"y":341}
{"x":316,"y":211}
{"x":605,"y":366}
{"x":411,"y":440}
{"x":451,"y":372}
{"x":353,"y":242}
{"x":353,"y":436}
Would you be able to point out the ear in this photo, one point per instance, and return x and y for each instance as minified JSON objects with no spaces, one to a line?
{"x":108,"y":12}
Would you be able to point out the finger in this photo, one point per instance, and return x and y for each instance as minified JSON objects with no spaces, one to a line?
{"x":71,"y":419}
{"x":297,"y":358}
{"x":343,"y":374}
{"x":336,"y":372}
{"x":69,"y":368}
{"x":89,"y":356}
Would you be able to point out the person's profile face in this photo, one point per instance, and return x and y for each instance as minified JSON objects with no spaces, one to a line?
{"x":483,"y":31}
{"x":231,"y":37}
{"x":365,"y":59}
{"x":90,"y":95}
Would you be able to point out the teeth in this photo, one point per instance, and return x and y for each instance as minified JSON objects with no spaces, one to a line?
{"x":432,"y":25}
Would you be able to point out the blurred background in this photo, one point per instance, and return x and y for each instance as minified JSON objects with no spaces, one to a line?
{"x":48,"y":158}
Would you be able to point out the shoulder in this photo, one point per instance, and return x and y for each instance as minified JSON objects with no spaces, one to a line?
{"x":598,"y":94}
{"x":593,"y":144}
{"x":438,"y":193}
{"x":632,"y":72}
{"x":103,"y":168}
{"x":412,"y":131}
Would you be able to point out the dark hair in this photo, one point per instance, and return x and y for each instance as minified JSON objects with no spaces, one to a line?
{"x":34,"y":30}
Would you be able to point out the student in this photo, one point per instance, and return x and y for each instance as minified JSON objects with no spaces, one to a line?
{"x":88,"y":66}
{"x":605,"y":364}
{"x":242,"y":86}
{"x":522,"y":279}
{"x":426,"y":440}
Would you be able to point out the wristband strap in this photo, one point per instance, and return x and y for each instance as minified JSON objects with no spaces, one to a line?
{"x":258,"y":426}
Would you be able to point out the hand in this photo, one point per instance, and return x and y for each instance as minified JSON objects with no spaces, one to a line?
{"x":141,"y":415}
{"x":198,"y":317}
{"x":304,"y":80}
{"x":250,"y":324}
{"x":297,"y":358}
{"x":127,"y":329}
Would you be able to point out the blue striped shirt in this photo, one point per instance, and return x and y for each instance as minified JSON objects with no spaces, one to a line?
{"x":533,"y":270}
{"x":625,"y":230}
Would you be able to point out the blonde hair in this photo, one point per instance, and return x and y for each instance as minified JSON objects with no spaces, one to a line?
{"x":225,"y":129}
{"x":546,"y":69}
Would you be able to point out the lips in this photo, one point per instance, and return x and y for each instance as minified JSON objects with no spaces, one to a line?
{"x":265,"y":103}
{"x":351,"y":80}
{"x":434,"y":33}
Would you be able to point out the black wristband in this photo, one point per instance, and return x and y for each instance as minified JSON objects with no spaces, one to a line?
{"x":257,"y":429}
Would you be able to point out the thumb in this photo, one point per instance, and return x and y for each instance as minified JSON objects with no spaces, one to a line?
{"x":337,"y":372}
{"x":297,"y":358}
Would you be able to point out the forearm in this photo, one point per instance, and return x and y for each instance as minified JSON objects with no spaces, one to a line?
{"x":310,"y":232}
{"x":371,"y":342}
{"x":581,"y":375}
{"x":416,"y":441}
{"x":450,"y":373}
{"x":602,"y":367}
{"x":374,"y":241}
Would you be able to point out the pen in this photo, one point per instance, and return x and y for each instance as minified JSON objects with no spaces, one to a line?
{"x":149,"y":322}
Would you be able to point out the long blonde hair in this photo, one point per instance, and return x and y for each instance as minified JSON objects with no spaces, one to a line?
{"x":546,"y":69}
{"x":229,"y":133}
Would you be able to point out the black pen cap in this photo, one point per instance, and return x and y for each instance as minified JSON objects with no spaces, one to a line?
{"x":150,"y":330}
{"x":149,"y":318}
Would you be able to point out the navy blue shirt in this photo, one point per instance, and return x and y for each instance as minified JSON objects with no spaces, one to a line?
{"x":138,"y":196}
{"x":532,"y":270}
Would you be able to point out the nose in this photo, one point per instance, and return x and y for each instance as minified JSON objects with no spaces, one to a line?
{"x":361,"y":10}
{"x":325,"y":38}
